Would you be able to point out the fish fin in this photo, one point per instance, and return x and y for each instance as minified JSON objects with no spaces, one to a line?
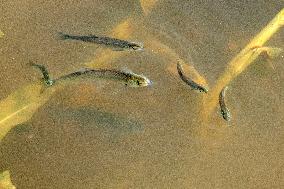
{"x":63,"y":36}
{"x":126,"y":70}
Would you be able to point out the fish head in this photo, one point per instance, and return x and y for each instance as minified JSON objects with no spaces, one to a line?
{"x":48,"y":82}
{"x":136,"y":46}
{"x":203,"y":89}
{"x":136,"y":80}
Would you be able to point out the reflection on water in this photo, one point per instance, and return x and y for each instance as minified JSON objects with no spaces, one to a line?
{"x":105,"y":135}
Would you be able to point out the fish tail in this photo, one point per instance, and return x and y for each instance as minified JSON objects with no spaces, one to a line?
{"x":45,"y":73}
{"x":63,"y":36}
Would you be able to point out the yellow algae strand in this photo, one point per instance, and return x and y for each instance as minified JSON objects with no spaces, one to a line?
{"x":245,"y":60}
{"x":272,"y":52}
{"x":272,"y":27}
{"x":5,"y":181}
{"x":123,"y":29}
{"x":239,"y":63}
{"x":231,"y":72}
{"x":20,"y":106}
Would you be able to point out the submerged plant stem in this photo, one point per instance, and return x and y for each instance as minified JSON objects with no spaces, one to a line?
{"x":240,"y":62}
{"x":5,"y":181}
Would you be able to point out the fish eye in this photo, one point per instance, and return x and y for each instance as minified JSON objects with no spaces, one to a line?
{"x":135,"y":47}
{"x":138,"y":82}
{"x":49,"y":82}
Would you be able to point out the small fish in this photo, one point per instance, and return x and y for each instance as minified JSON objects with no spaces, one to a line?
{"x":117,"y":44}
{"x":224,"y":110}
{"x":46,"y":78}
{"x":188,"y":81}
{"x":127,"y":77}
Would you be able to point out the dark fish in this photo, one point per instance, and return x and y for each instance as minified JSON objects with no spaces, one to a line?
{"x":127,"y":77}
{"x":190,"y":82}
{"x":46,"y":78}
{"x":118,"y":44}
{"x":224,"y":110}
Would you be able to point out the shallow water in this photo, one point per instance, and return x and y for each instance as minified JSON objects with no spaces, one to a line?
{"x":104,"y":135}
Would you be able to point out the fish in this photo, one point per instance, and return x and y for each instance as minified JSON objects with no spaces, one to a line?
{"x":46,"y":78}
{"x":224,"y":109}
{"x":116,"y":44}
{"x":188,"y":81}
{"x":127,"y":77}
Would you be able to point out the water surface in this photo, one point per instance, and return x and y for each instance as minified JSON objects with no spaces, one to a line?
{"x":104,"y":135}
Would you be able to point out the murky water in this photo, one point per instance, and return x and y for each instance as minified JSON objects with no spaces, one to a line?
{"x":104,"y":135}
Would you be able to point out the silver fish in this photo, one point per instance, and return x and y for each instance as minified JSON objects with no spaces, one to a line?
{"x":188,"y":81}
{"x":224,"y":109}
{"x":117,"y":44}
{"x":46,"y":78}
{"x":128,"y":78}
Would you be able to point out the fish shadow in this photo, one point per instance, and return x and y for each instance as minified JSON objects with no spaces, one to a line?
{"x":63,"y":139}
{"x":90,"y":119}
